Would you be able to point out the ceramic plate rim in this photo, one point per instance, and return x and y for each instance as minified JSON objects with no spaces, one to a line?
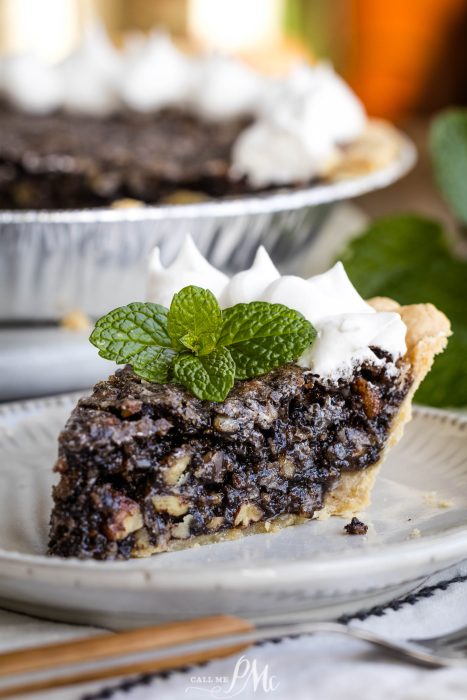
{"x":139,"y":573}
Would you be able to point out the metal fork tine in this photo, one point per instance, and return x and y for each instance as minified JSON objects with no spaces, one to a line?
{"x":444,"y":641}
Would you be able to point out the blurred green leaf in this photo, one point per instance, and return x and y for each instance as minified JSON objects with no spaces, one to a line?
{"x":448,"y":144}
{"x":407,"y":258}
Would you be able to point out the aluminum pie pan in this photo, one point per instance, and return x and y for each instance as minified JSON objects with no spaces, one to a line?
{"x":53,"y":262}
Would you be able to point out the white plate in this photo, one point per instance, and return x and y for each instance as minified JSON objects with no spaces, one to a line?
{"x":313,"y":567}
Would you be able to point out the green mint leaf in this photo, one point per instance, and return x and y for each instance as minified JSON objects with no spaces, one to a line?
{"x":154,"y":364}
{"x":448,"y":145}
{"x":194,"y":320}
{"x":408,"y":259}
{"x":263,"y":336}
{"x":209,"y":377}
{"x":129,"y":330}
{"x":190,"y":341}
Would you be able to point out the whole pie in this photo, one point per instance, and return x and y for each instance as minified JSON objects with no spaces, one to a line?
{"x":149,"y":467}
{"x":152,"y":125}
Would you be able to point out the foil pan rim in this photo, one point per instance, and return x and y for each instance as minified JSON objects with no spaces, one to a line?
{"x":283,"y":200}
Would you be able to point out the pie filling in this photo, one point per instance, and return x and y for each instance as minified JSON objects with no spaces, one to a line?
{"x":147,"y":467}
{"x":149,"y":121}
{"x":78,"y":161}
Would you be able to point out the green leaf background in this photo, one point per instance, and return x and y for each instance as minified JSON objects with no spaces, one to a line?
{"x":408,"y":259}
{"x":448,"y":145}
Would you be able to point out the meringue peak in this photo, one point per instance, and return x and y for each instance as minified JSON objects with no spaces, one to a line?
{"x":189,"y":267}
{"x":248,"y":285}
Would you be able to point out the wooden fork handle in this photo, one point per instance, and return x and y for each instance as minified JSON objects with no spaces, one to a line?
{"x":135,"y":669}
{"x":111,"y":645}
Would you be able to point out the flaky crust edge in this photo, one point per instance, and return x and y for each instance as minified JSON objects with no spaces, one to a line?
{"x":428,"y":331}
{"x":377,"y":147}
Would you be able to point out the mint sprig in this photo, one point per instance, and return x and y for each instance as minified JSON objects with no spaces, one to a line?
{"x":196,"y":344}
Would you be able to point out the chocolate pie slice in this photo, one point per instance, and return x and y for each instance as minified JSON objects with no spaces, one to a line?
{"x":149,"y":467}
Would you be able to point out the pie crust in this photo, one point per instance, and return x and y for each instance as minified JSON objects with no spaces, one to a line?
{"x":427,"y":332}
{"x":378,"y":146}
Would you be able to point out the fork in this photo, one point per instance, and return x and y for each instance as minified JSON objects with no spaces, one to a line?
{"x":178,"y":644}
{"x":448,"y":649}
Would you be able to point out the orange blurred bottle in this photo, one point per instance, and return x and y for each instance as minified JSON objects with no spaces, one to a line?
{"x":394,"y":46}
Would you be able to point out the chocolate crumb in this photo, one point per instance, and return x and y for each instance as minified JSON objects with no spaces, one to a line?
{"x":356,"y":527}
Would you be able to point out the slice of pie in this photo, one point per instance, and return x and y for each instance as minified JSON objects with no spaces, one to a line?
{"x":147,"y":468}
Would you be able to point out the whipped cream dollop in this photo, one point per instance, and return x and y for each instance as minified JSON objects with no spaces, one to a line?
{"x":249,"y":285}
{"x":347,"y":327}
{"x":90,"y":76}
{"x":150,"y":74}
{"x":298,"y":121}
{"x":30,"y":85}
{"x":344,"y":342}
{"x":156,"y":75}
{"x":302,"y":121}
{"x":188,"y":268}
{"x":225,"y":88}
